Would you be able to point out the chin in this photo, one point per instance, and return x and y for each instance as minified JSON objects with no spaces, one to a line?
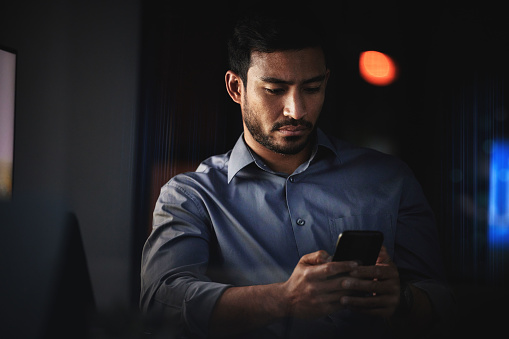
{"x":291,"y":145}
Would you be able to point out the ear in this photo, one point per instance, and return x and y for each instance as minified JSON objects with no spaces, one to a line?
{"x":234,"y":86}
{"x":327,"y":74}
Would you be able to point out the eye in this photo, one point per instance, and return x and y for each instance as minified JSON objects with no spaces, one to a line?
{"x":312,"y":90}
{"x":274,"y":91}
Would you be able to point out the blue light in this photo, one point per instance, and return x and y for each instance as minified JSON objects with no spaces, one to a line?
{"x":498,"y":215}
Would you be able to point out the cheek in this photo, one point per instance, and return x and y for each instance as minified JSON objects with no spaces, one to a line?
{"x":315,"y":105}
{"x":266,"y":108}
{"x":272,"y":109}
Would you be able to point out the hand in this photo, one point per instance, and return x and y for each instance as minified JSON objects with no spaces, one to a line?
{"x":380,"y":281}
{"x":315,"y":286}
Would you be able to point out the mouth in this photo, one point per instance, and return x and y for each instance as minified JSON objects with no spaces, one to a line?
{"x":293,"y":130}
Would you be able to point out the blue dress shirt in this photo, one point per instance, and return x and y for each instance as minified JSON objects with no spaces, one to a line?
{"x":235,"y":222}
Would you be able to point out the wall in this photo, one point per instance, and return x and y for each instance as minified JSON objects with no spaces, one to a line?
{"x":77,"y":88}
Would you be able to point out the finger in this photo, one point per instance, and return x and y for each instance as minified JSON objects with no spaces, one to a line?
{"x":338,"y":269}
{"x":373,"y":305}
{"x":382,"y":312}
{"x":315,"y":258}
{"x":376,"y":272}
{"x":382,"y":287}
{"x":310,"y":270}
{"x":328,"y":277}
{"x":369,"y":302}
{"x":383,"y":257}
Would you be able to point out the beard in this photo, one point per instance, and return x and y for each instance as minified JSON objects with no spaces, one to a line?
{"x":291,"y":145}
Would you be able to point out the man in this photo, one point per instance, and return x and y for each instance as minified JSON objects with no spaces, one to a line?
{"x":242,"y":246}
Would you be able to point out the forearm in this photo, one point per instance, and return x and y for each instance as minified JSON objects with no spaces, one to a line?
{"x":310,"y":292}
{"x":241,"y":309}
{"x":418,"y":320}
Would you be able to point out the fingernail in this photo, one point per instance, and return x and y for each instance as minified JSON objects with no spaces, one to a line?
{"x":323,"y":258}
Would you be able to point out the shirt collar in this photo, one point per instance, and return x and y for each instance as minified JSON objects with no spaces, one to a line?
{"x":241,"y":156}
{"x":323,"y":140}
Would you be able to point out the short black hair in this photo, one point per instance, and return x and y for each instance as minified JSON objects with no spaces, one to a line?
{"x":271,"y":31}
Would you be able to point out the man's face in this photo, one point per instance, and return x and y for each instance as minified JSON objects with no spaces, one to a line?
{"x":283,"y":98}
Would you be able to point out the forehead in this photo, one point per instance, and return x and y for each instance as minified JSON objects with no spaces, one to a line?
{"x":290,"y":65}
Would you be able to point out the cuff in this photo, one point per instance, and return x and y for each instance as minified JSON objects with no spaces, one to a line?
{"x":441,"y":298}
{"x":200,"y":300}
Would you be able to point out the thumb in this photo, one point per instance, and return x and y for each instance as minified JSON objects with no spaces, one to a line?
{"x":383,"y":257}
{"x":316,"y":258}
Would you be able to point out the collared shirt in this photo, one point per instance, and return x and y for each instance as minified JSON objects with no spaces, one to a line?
{"x":235,"y":222}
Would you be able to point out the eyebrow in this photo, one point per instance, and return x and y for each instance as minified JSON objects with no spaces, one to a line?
{"x":273,"y":80}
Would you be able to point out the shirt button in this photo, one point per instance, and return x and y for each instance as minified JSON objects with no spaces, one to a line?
{"x":292,"y":179}
{"x":301,"y":222}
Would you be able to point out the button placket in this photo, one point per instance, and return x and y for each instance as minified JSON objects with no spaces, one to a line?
{"x":298,"y":221}
{"x":300,"y":218}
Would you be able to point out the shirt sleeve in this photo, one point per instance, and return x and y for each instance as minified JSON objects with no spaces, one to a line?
{"x":417,"y":252}
{"x":174,"y":285}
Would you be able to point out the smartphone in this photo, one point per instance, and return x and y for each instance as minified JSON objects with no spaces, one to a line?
{"x":360,"y":246}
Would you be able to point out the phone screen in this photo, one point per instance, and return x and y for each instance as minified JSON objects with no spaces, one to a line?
{"x":360,"y":246}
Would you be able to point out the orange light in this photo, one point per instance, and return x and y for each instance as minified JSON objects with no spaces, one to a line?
{"x":377,"y":68}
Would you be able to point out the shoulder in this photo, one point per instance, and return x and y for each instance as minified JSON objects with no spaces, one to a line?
{"x":216,"y":163}
{"x":350,"y":153}
{"x":212,"y":171}
{"x":367,"y":164}
{"x":191,"y":190}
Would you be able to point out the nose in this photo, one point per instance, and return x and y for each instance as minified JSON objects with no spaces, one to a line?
{"x":294,"y":106}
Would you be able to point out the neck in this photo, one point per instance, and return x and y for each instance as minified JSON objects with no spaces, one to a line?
{"x":283,"y":163}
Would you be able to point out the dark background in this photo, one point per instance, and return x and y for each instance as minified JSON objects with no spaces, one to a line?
{"x":440,"y":115}
{"x":116,"y":97}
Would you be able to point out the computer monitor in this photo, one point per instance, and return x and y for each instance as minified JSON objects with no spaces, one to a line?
{"x":45,"y":286}
{"x":7,"y":104}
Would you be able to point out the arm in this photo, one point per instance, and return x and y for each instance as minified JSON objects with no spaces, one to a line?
{"x":308,"y":293}
{"x":384,"y":282}
{"x":418,"y":319}
{"x":417,"y":257}
{"x":176,"y":293}
{"x":418,"y":254}
{"x":242,"y":309}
